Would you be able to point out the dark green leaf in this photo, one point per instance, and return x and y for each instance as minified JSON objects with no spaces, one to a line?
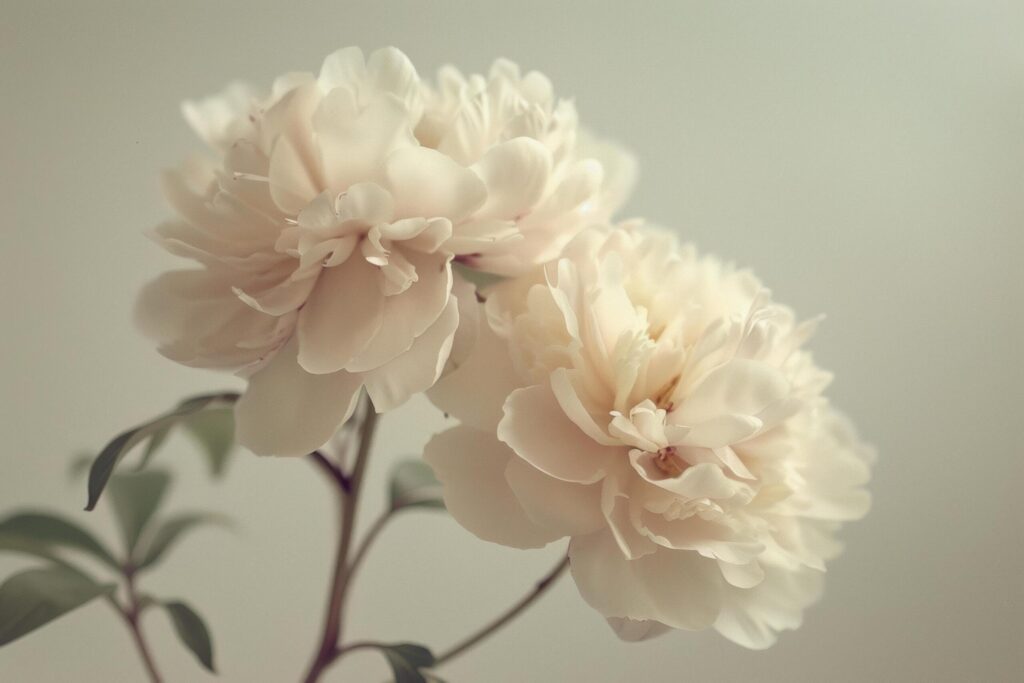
{"x":40,"y":533}
{"x":136,"y":497}
{"x":170,"y":531}
{"x":34,"y":597}
{"x":104,"y":464}
{"x":413,"y":484}
{"x":407,"y":661}
{"x":214,"y":429}
{"x":153,"y":445}
{"x":192,"y":631}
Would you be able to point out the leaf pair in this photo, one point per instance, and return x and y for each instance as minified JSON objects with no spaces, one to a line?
{"x":33,"y":598}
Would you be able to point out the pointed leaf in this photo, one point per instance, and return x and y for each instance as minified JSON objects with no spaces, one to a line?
{"x":35,"y":597}
{"x":40,"y":533}
{"x":413,"y":484}
{"x":192,"y":631}
{"x":407,"y":661}
{"x":104,"y":464}
{"x":214,"y":429}
{"x":168,"y":533}
{"x":135,"y":498}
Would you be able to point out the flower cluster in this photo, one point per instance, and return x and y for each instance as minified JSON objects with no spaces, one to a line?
{"x":657,"y":409}
{"x":654,"y":406}
{"x":325,"y":225}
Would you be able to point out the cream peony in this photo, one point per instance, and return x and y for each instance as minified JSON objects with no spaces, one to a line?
{"x":325,"y":226}
{"x":657,"y":409}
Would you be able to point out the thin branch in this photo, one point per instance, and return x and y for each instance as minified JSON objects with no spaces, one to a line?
{"x":540,"y":589}
{"x":332,"y":470}
{"x":329,"y":649}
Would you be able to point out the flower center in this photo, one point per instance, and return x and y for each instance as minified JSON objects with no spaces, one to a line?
{"x":669,"y":462}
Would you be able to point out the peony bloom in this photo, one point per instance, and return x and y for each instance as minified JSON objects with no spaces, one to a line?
{"x":657,"y":409}
{"x":324,"y":230}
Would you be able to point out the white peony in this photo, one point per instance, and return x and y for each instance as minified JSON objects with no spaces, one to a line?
{"x":656,"y":408}
{"x":324,"y":231}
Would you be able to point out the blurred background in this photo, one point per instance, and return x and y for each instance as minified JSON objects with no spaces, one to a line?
{"x":866,"y":159}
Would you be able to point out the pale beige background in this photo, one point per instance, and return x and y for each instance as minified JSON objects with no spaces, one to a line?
{"x":866,"y":158}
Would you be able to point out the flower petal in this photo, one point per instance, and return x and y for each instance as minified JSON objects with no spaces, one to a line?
{"x":568,"y":398}
{"x":292,"y":183}
{"x":537,"y":429}
{"x":417,"y":369}
{"x":633,"y":631}
{"x":740,"y":387}
{"x":408,"y":315}
{"x":752,"y":617}
{"x":516,"y":174}
{"x":461,"y":393}
{"x":288,"y":411}
{"x":356,"y":138}
{"x":677,"y":588}
{"x":470,"y":464}
{"x":340,"y":317}
{"x":426,"y":183}
{"x":568,"y":509}
{"x":220,"y":119}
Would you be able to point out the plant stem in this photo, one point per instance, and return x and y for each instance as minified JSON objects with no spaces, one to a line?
{"x":131,"y":614}
{"x":371,"y":535}
{"x":329,"y":649}
{"x":542,"y":587}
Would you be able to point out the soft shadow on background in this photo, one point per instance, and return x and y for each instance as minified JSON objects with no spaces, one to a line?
{"x":866,"y":159}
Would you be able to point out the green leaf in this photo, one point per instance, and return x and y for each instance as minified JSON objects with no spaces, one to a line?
{"x":40,"y":533}
{"x":413,"y":484}
{"x":35,"y":597}
{"x":168,"y":533}
{"x":104,"y":464}
{"x":407,"y":661}
{"x":136,"y":497}
{"x":192,"y":632}
{"x":214,"y":429}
